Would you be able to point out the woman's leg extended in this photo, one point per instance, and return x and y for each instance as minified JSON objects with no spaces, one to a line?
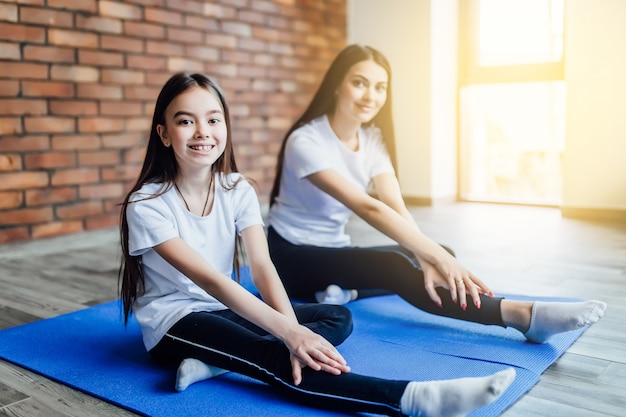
{"x":306,"y":269}
{"x":227,"y":341}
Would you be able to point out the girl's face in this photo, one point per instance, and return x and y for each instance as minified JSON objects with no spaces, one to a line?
{"x":362,"y":92}
{"x":195,"y":128}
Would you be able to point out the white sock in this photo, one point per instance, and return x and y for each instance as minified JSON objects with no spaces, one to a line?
{"x":454,"y":397}
{"x":334,"y":294}
{"x":550,"y":318}
{"x":192,"y":370}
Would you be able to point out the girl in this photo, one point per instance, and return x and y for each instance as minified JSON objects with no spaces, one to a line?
{"x":179,"y":227}
{"x":329,"y":158}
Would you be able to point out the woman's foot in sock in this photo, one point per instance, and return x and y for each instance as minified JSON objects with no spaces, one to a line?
{"x":334,"y":294}
{"x":192,"y":370}
{"x":550,"y":318}
{"x":454,"y":397}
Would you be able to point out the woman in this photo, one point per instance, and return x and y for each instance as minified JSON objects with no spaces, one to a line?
{"x":179,"y":227}
{"x":333,"y":154}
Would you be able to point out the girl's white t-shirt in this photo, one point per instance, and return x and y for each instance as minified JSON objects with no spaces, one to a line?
{"x":169,"y":295}
{"x":302,"y":213}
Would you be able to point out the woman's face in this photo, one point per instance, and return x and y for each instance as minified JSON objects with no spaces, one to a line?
{"x":195,"y":128}
{"x":362,"y":92}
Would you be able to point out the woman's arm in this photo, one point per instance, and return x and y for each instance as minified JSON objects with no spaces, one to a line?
{"x":307,"y":348}
{"x":390,"y":216}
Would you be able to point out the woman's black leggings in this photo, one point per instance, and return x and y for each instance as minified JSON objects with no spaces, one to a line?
{"x":228,"y":341}
{"x":306,"y":269}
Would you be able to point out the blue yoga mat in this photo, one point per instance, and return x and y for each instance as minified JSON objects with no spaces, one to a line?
{"x":92,"y":351}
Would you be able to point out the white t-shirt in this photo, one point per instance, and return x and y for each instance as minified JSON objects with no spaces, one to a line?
{"x":169,"y":295}
{"x":302,"y":213}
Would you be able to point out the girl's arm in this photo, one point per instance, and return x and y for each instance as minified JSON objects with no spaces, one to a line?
{"x":390,"y":216}
{"x":306,"y":347}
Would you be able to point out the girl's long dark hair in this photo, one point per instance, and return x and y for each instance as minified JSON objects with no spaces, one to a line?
{"x":324,"y":102}
{"x":160,"y":166}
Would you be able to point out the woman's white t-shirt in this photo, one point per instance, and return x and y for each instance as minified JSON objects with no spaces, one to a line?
{"x":302,"y":213}
{"x":169,"y":295}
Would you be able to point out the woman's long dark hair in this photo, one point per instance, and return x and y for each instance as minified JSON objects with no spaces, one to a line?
{"x":160,"y":166}
{"x":324,"y":102}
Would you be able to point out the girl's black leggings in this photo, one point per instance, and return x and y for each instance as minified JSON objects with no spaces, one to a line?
{"x":228,"y":341}
{"x":305,"y":269}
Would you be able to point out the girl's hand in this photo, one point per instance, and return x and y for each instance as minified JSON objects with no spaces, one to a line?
{"x":307,"y":348}
{"x":451,"y":275}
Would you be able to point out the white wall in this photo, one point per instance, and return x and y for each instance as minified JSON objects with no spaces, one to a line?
{"x":595,"y":150}
{"x":424,"y":85}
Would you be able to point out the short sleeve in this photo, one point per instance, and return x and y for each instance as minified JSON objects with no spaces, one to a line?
{"x":303,"y":156}
{"x":380,"y":162}
{"x":246,"y":206}
{"x":150,"y":223}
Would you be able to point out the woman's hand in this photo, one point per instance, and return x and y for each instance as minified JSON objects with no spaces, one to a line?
{"x":307,"y":348}
{"x":449,"y":274}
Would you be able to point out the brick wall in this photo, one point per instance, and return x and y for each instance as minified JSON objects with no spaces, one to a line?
{"x":78,"y":81}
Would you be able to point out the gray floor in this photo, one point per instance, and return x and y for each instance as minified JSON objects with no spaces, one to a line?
{"x":521,"y":250}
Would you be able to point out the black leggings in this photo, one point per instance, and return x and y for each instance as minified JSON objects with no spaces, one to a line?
{"x":228,"y":341}
{"x":305,"y":269}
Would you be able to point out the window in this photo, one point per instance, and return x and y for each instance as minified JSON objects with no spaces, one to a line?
{"x":511,"y":101}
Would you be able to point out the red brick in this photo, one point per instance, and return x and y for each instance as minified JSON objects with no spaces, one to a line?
{"x":99,"y":24}
{"x":73,"y":108}
{"x":72,"y":38}
{"x":138,"y":124}
{"x":45,"y":17}
{"x":57,"y":228}
{"x":24,"y":143}
{"x":219,"y":10}
{"x":49,"y":124}
{"x":102,"y":59}
{"x":9,"y":88}
{"x":10,"y":162}
{"x":75,"y":142}
{"x":75,"y":73}
{"x":144,"y":30}
{"x":201,"y":52}
{"x":100,"y":222}
{"x":186,"y":6}
{"x":47,"y":89}
{"x":122,"y":140}
{"x":98,"y":158}
{"x":184,"y":65}
{"x":18,"y":107}
{"x":26,"y":216}
{"x":8,"y":12}
{"x":78,"y":210}
{"x":10,"y":125}
{"x":99,"y":91}
{"x":100,"y":124}
{"x":126,"y":108}
{"x":75,"y":176}
{"x":50,"y":195}
{"x":167,"y":17}
{"x":145,"y":62}
{"x":116,"y":9}
{"x":133,"y":92}
{"x":220,"y":40}
{"x":136,"y":155}
{"x":237,"y":28}
{"x":121,"y":76}
{"x":21,"y":33}
{"x":184,"y":35}
{"x":85,"y":5}
{"x":249,"y":16}
{"x":23,"y":70}
{"x":203,"y":23}
{"x":10,"y":51}
{"x":121,"y":43}
{"x":126,"y":172}
{"x":13,"y":234}
{"x":163,"y":48}
{"x":49,"y":54}
{"x":11,"y":199}
{"x":101,"y":190}
{"x":49,"y":160}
